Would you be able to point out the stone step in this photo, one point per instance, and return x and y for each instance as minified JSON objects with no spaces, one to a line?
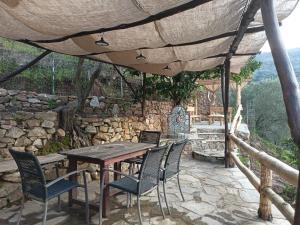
{"x":209,"y":155}
{"x":208,"y":144}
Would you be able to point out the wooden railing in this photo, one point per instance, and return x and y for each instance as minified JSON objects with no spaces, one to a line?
{"x":263,"y":184}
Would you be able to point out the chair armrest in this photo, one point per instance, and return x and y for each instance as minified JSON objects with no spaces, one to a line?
{"x":122,"y":174}
{"x":63,"y":177}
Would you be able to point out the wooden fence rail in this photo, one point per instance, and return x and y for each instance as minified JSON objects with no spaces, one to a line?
{"x":268,"y":164}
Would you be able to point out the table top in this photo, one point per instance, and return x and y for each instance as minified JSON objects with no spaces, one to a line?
{"x":108,"y":151}
{"x":10,"y":165}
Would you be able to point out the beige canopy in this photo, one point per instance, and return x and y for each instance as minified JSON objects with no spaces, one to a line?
{"x":170,"y":35}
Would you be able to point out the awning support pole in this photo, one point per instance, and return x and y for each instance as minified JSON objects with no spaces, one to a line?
{"x":287,"y":78}
{"x":225,"y":91}
{"x":24,"y":67}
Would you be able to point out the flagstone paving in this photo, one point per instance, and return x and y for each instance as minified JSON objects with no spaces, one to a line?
{"x":213,"y":196}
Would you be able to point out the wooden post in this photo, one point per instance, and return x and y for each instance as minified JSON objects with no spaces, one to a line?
{"x":287,"y":77}
{"x":238,"y":95}
{"x":231,"y":147}
{"x":265,"y":204}
{"x":226,"y":103}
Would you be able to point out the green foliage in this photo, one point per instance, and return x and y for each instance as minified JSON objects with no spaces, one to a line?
{"x":289,"y":193}
{"x":55,"y":146}
{"x":52,"y":104}
{"x":268,"y":116}
{"x":246,"y":71}
{"x":178,"y":88}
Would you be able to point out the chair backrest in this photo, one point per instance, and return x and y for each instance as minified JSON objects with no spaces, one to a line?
{"x":150,"y":137}
{"x":33,"y":179}
{"x":172,"y":161}
{"x":150,"y":169}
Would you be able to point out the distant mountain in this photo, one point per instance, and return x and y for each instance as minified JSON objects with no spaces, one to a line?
{"x":268,"y":71}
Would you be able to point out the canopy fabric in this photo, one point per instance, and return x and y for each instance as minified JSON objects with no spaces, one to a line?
{"x":194,"y":39}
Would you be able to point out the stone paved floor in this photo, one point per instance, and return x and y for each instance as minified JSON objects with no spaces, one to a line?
{"x":214,"y":196}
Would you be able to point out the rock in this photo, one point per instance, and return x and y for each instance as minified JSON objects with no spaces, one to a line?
{"x":3,"y":202}
{"x":31,"y":148}
{"x":51,"y":116}
{"x":117,"y":137}
{"x":22,"y":141}
{"x":3,"y":145}
{"x":12,"y":177}
{"x":37,"y":132}
{"x":7,"y":140}
{"x":33,"y":123}
{"x":48,"y":124}
{"x":115,"y":110}
{"x":104,"y":129}
{"x":91,"y":130}
{"x":135,"y":139}
{"x":33,"y":100}
{"x":60,"y":132}
{"x":15,"y":132}
{"x":102,"y":105}
{"x":13,"y":92}
{"x":24,"y":115}
{"x":4,"y":99}
{"x":102,"y":136}
{"x":19,"y":149}
{"x":118,"y":129}
{"x":3,"y":92}
{"x":51,"y":131}
{"x":2,"y":132}
{"x":115,"y":124}
{"x":95,"y":102}
{"x":38,"y":143}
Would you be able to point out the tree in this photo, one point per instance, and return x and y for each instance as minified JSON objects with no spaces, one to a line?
{"x":83,"y":84}
{"x":179,"y":88}
{"x":246,"y":73}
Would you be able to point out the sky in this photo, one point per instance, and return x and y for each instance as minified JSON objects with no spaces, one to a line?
{"x":290,"y":31}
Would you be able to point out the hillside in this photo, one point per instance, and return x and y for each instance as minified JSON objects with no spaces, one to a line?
{"x":268,"y":71}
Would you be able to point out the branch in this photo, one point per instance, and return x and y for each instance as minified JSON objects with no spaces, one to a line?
{"x":127,"y":83}
{"x":24,"y":67}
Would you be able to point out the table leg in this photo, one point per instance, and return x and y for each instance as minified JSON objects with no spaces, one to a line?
{"x":117,"y":166}
{"x":73,"y":192}
{"x":105,"y":206}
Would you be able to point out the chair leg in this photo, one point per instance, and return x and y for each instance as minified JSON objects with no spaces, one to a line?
{"x":101,"y":199}
{"x":139,"y":209}
{"x":58,"y":203}
{"x":180,"y":187}
{"x":159,"y":200}
{"x":164,"y":189}
{"x":21,"y":210}
{"x":87,"y":207}
{"x":45,"y":212}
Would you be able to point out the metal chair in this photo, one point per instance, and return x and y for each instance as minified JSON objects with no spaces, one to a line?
{"x":172,"y":167}
{"x":150,"y":137}
{"x":34,"y":185}
{"x":147,"y":179}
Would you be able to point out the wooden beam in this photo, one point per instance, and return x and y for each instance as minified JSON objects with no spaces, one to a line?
{"x":285,"y":171}
{"x":225,"y":106}
{"x":24,"y":67}
{"x":287,"y":78}
{"x":169,"y":12}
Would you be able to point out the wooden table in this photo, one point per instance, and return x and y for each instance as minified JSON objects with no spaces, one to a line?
{"x":104,"y":155}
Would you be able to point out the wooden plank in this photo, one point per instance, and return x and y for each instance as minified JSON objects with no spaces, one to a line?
{"x":10,"y":165}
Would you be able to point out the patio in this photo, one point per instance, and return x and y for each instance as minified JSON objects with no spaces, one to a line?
{"x":214,"y":196}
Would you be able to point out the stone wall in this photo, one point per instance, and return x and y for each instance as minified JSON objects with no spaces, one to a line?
{"x":28,"y":122}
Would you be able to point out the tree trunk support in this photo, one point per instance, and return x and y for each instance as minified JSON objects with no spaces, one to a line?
{"x":265,"y":204}
{"x":24,"y":67}
{"x":287,"y":78}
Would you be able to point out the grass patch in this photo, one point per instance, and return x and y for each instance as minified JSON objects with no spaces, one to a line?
{"x":55,"y":146}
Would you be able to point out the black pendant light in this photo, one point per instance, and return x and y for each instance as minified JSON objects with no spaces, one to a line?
{"x":140,"y":56}
{"x":167,"y":68}
{"x":102,"y":42}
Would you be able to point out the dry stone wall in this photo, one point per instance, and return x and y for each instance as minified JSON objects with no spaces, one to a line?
{"x":28,"y":122}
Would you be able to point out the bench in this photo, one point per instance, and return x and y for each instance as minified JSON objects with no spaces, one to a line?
{"x":216,"y":112}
